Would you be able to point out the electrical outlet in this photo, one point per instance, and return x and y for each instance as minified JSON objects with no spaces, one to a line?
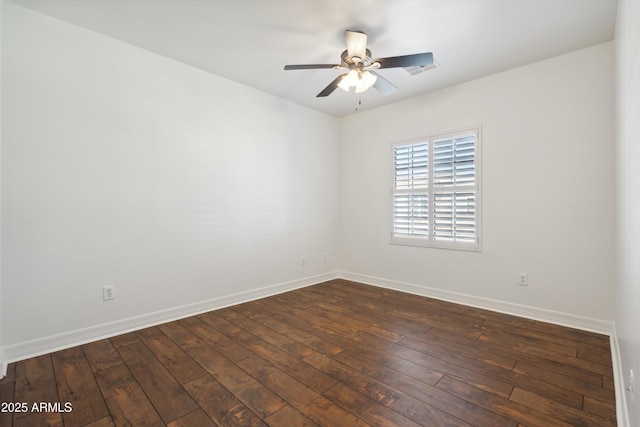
{"x":523,"y":279}
{"x":108,"y":293}
{"x":303,"y":260}
{"x":324,"y":258}
{"x":631,"y":382}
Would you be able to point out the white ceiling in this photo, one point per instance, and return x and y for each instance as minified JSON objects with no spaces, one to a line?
{"x":250,"y":41}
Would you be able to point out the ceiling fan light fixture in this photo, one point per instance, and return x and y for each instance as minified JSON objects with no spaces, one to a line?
{"x":361,"y":80}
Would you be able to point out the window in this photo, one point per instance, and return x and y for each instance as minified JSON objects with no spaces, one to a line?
{"x":436,"y":191}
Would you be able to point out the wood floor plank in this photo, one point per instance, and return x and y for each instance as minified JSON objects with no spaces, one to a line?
{"x":77,"y":385}
{"x":299,"y":370}
{"x":482,"y":375}
{"x":515,"y":411}
{"x":174,"y":359}
{"x":563,"y":395}
{"x":586,"y":388}
{"x":126,"y":400}
{"x":437,"y":347}
{"x":375,"y":319}
{"x":437,"y":318}
{"x":169,"y":398}
{"x":321,"y":410}
{"x":544,"y":336}
{"x":379,"y":313}
{"x":11,"y":374}
{"x":404,"y":366}
{"x":595,"y":354}
{"x":403,"y":403}
{"x":364,"y":408}
{"x":339,"y":317}
{"x":347,"y":330}
{"x":433,"y":396}
{"x":259,"y":398}
{"x":476,"y":372}
{"x":223,"y":344}
{"x":563,"y":365}
{"x":529,"y":344}
{"x":608,"y":383}
{"x":606,"y":410}
{"x":35,"y":383}
{"x":283,"y":342}
{"x":102,"y":355}
{"x":342,"y":287}
{"x":124,"y":340}
{"x":102,"y":422}
{"x":196,"y":418}
{"x":289,"y":416}
{"x":585,"y":337}
{"x":7,"y":395}
{"x":220,"y":404}
{"x":363,"y":383}
{"x":426,"y":309}
{"x":294,"y":299}
{"x":293,"y":332}
{"x":282,"y":314}
{"x":572,"y":416}
{"x":339,"y":353}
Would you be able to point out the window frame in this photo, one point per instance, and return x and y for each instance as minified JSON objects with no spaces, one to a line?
{"x":430,"y":189}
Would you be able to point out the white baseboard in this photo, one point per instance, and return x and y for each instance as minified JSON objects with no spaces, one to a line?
{"x":24,"y":350}
{"x":27,"y":349}
{"x":622,"y":412}
{"x":541,"y":314}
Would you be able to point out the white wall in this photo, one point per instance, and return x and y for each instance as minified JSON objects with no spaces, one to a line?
{"x":547,"y":187}
{"x":3,"y":366}
{"x":121,"y":167}
{"x":125,"y":168}
{"x":628,"y":144}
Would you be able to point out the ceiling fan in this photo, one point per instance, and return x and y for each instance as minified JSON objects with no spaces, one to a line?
{"x":361,"y":68}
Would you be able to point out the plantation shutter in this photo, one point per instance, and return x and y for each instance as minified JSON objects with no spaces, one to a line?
{"x":411,"y":201}
{"x":454,"y":170}
{"x":436,"y":191}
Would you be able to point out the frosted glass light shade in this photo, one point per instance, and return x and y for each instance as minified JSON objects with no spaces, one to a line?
{"x":366,"y":81}
{"x":358,"y":79}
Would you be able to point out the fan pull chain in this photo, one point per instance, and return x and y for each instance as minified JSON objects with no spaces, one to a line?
{"x":359,"y":103}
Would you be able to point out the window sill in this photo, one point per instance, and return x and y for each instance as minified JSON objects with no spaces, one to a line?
{"x":408,"y":241}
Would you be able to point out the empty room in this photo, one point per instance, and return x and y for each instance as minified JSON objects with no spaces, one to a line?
{"x":320,"y":213}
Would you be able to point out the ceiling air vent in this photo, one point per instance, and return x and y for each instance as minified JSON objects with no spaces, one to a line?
{"x":414,"y":71}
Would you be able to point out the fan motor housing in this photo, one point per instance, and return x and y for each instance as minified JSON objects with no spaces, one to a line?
{"x":349,"y":63}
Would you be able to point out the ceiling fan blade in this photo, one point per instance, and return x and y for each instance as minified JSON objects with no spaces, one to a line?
{"x":415,"y":60}
{"x":383,"y":85}
{"x":310,"y":66}
{"x":356,"y":43}
{"x":332,"y":86}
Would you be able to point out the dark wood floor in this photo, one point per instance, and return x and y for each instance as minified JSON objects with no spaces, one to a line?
{"x":334,"y":354}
